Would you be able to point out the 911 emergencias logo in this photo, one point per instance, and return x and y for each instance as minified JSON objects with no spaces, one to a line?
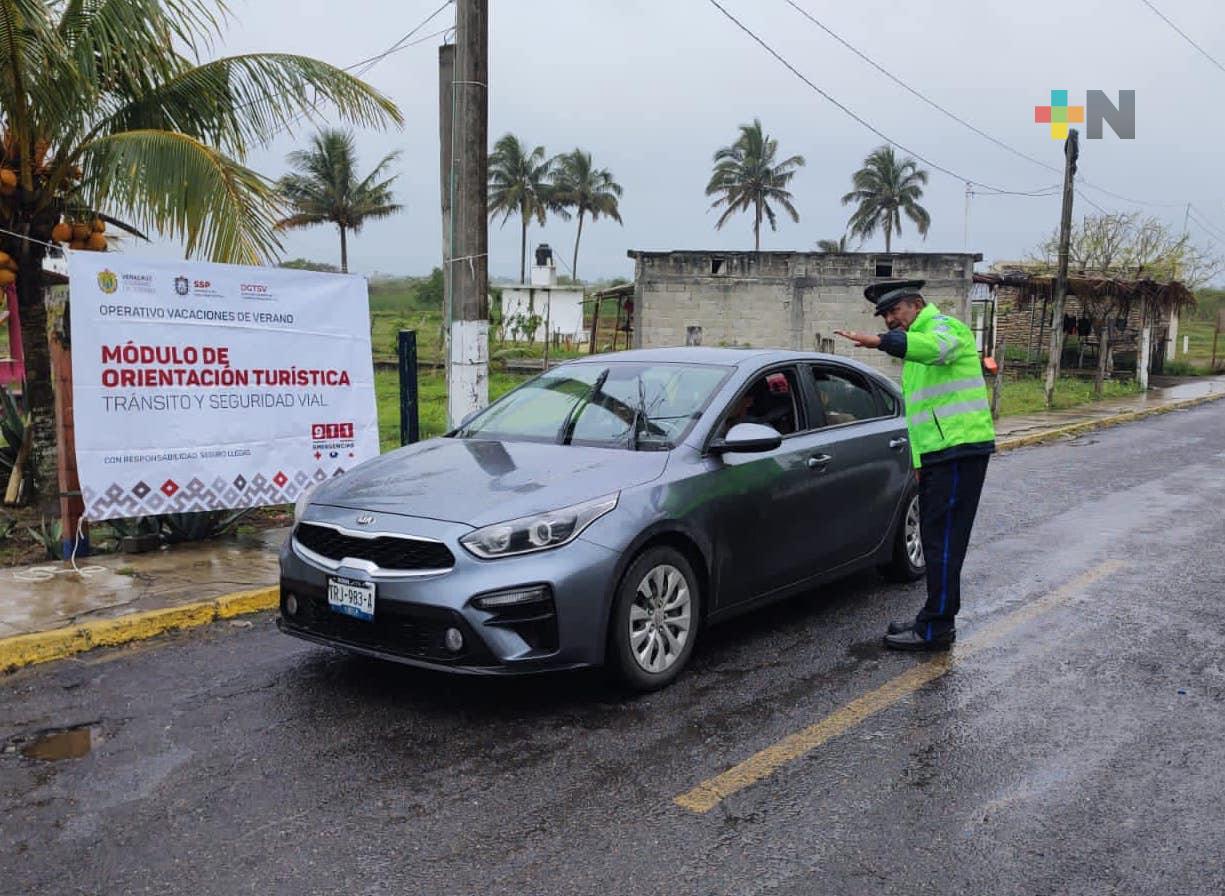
{"x":331,"y":440}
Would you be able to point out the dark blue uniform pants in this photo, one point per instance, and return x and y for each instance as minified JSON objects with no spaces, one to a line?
{"x":948,"y":502}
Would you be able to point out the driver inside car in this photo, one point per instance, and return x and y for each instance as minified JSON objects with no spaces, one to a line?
{"x":755,"y":405}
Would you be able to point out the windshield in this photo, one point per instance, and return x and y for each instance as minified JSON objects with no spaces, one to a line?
{"x":636,"y":406}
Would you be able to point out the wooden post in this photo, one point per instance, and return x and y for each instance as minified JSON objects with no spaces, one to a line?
{"x":1145,"y":351}
{"x":1220,"y":324}
{"x":468,"y":260}
{"x":997,"y":386}
{"x":72,"y":507}
{"x":410,"y":428}
{"x":595,"y":324}
{"x":446,"y":138}
{"x":1103,"y":349}
{"x":1071,"y":149}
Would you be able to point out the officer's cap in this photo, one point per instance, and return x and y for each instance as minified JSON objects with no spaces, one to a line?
{"x":886,"y":295}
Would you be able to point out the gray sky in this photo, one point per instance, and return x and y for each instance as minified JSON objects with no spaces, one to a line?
{"x":653,"y":87}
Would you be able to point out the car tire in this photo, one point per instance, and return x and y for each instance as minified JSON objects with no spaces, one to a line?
{"x":907,"y":563}
{"x":655,"y":619}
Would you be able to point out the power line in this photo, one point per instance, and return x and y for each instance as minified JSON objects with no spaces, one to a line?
{"x":1037,"y":194}
{"x":892,"y":77}
{"x":368,"y":63}
{"x":1081,"y":194}
{"x":372,"y":61}
{"x":1000,"y":143}
{"x":1211,"y":229}
{"x":1184,"y":35}
{"x":398,"y":45}
{"x":769,"y":49}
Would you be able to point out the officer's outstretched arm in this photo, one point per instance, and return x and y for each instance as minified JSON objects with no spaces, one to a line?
{"x":937,"y":347}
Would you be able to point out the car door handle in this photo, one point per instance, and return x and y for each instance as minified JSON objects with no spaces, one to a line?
{"x":819,"y":461}
{"x":897,"y":443}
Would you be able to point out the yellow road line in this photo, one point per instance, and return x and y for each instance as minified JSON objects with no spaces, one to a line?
{"x":42,"y":647}
{"x":759,"y":766}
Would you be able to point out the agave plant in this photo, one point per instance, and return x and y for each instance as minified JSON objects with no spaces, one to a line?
{"x":50,"y":534}
{"x":181,"y":527}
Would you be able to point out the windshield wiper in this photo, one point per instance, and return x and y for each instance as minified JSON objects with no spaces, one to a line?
{"x":640,"y":416}
{"x":566,"y":433}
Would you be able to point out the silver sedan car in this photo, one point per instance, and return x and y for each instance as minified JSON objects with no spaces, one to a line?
{"x":608,"y":510}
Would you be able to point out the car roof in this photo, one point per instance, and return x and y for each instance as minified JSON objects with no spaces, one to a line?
{"x":728,"y":357}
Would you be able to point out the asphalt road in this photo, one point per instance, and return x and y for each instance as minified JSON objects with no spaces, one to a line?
{"x":1073,"y":742}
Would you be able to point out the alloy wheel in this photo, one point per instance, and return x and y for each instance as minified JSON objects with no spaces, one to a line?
{"x":660,"y":618}
{"x":914,"y":536}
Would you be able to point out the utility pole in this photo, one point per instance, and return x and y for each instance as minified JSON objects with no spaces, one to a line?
{"x":1071,"y":150}
{"x":468,"y":261}
{"x":965,"y":236}
{"x":446,"y":143}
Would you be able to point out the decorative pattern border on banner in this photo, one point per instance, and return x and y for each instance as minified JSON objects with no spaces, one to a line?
{"x":145,"y":499}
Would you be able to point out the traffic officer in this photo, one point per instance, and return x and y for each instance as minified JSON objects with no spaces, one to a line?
{"x":952,"y":437}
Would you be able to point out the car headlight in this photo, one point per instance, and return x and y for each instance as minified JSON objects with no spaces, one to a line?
{"x":304,"y":499}
{"x":536,"y":533}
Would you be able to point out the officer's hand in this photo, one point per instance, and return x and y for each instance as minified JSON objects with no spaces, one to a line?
{"x":863,"y":340}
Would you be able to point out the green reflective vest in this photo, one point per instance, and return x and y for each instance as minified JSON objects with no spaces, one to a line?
{"x":942,"y":382}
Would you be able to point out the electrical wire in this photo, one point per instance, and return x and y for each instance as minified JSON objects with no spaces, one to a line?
{"x":769,"y":49}
{"x":1000,"y":143}
{"x":371,"y":62}
{"x":1211,"y":229}
{"x":365,"y":65}
{"x":895,"y":79}
{"x":1184,"y":35}
{"x":1081,"y":194}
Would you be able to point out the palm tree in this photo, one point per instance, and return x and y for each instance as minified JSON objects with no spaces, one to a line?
{"x":325,"y":190}
{"x":884,"y":188}
{"x":108,"y":111}
{"x":838,"y":245}
{"x":747,"y":176}
{"x":519,"y":185}
{"x":578,"y":185}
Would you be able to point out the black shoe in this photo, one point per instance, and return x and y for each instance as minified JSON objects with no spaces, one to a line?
{"x":912,"y":640}
{"x":896,"y":628}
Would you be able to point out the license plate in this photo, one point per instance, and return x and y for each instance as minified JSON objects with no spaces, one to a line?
{"x":351,"y":597}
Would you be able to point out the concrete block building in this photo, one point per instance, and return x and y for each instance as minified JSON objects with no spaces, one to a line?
{"x":558,"y":309}
{"x":790,"y":300}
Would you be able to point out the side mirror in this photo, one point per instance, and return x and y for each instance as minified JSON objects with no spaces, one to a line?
{"x":748,"y":438}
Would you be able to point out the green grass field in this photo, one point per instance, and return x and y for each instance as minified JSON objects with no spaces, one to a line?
{"x":1199,"y":351}
{"x":433,"y":400}
{"x":1027,"y":396}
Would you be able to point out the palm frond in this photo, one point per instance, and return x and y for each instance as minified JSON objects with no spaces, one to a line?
{"x":239,"y":102}
{"x":175,"y":184}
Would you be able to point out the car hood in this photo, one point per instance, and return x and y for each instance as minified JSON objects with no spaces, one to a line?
{"x":479,"y":482}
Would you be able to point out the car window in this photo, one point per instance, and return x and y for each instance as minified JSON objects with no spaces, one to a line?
{"x":845,"y":397}
{"x":770,"y":400}
{"x":619,"y":404}
{"x":889,"y":401}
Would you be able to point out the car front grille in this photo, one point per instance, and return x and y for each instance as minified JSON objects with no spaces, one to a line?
{"x":407,"y":630}
{"x":388,"y":552}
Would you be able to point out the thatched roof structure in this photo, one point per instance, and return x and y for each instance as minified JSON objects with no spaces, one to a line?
{"x":1167,"y":297}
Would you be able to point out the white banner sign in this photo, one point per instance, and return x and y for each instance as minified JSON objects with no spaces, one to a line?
{"x":209,"y":386}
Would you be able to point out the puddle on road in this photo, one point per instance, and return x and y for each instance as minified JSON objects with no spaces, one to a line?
{"x":73,"y":743}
